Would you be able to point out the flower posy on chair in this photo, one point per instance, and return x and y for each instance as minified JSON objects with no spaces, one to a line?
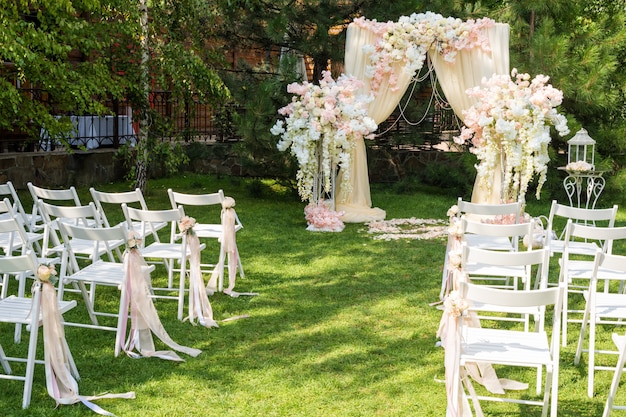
{"x":199,"y":305}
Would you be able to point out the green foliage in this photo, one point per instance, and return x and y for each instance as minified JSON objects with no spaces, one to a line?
{"x":36,"y":43}
{"x":454,"y":173}
{"x":261,"y":95}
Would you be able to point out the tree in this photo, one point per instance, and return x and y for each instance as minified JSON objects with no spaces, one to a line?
{"x":176,"y":54}
{"x":121,"y":50}
{"x":37,"y":40}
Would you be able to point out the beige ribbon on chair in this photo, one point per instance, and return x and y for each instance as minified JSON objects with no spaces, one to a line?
{"x":229,"y":243}
{"x":481,"y":372}
{"x":199,"y":305}
{"x":61,"y":373}
{"x":144,"y":317}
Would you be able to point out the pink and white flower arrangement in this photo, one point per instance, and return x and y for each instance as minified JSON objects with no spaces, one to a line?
{"x":186,"y":224}
{"x":47,"y":273}
{"x":321,"y":126}
{"x":409,"y":39}
{"x":509,"y":127}
{"x":579,"y":166}
{"x":454,"y":304}
{"x":321,"y":218}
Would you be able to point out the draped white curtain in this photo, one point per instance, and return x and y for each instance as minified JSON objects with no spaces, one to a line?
{"x":467,"y":71}
{"x":356,"y":203}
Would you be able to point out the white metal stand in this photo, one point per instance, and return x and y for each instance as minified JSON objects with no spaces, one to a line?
{"x":591,"y":182}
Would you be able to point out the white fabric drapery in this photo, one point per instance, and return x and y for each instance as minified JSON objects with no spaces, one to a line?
{"x":356,"y":203}
{"x":468,"y":70}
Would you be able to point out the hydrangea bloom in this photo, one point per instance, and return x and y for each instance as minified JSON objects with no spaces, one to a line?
{"x":321,"y":125}
{"x":510,"y":125}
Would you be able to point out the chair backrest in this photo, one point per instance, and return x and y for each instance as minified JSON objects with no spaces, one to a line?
{"x":66,"y":196}
{"x":209,"y":199}
{"x":13,"y":226}
{"x":148,"y":217}
{"x":20,"y":266}
{"x":538,"y":258}
{"x":195,"y":199}
{"x":128,"y":197}
{"x":508,"y":210}
{"x":580,"y":231}
{"x":540,"y":298}
{"x":608,"y":261}
{"x":100,"y":236}
{"x":578,"y":215}
{"x":53,"y":215}
{"x":514,"y":232}
{"x":8,"y":190}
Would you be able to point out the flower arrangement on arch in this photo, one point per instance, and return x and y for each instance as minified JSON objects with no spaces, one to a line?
{"x":510,"y":125}
{"x":409,"y":39}
{"x":321,"y":125}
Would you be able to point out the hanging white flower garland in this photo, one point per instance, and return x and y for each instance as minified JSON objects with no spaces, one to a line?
{"x":510,"y":125}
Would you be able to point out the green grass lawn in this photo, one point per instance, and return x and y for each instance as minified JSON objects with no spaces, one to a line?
{"x":341,"y":327}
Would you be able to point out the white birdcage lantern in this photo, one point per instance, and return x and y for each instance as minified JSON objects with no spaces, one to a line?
{"x":581,"y":149}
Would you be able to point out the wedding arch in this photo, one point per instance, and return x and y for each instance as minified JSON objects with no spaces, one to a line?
{"x":326,"y":124}
{"x":456,"y":74}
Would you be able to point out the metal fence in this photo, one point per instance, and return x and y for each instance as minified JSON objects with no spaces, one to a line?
{"x":192,"y":121}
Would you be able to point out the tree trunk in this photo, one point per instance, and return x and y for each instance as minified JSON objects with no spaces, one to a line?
{"x":144,"y":122}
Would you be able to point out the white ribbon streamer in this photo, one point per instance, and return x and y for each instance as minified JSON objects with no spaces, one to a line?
{"x":61,"y":373}
{"x":144,"y":317}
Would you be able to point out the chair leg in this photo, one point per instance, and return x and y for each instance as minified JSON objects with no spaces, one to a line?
{"x":564,"y":324}
{"x":30,"y":365}
{"x":591,"y":361}
{"x":581,"y":337}
{"x":617,"y":376}
{"x":5,"y":362}
{"x":547,"y":392}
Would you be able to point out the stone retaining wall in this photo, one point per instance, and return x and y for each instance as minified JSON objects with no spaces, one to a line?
{"x":86,"y":168}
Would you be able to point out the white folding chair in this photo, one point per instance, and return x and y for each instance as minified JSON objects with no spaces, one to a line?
{"x":8,"y":191}
{"x":532,"y":348}
{"x":86,"y":216}
{"x":483,"y":266}
{"x":96,"y":273}
{"x":505,"y":276}
{"x":15,"y":242}
{"x":605,"y":306}
{"x":133,"y":198}
{"x":22,"y":311}
{"x":508,"y":213}
{"x":207,"y":230}
{"x":591,"y":217}
{"x":576,"y":268}
{"x":20,"y":239}
{"x":174,"y":254}
{"x":67,"y":196}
